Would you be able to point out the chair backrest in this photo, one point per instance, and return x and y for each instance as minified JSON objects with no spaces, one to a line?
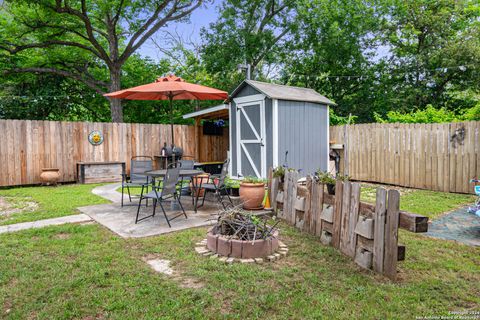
{"x":138,"y":165}
{"x":223,"y":173}
{"x":187,"y":164}
{"x":175,"y":164}
{"x":170,"y":181}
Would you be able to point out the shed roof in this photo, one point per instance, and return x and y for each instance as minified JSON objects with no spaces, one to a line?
{"x":220,"y":111}
{"x":284,"y":92}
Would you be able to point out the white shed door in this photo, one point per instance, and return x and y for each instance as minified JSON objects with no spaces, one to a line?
{"x":251,"y":152}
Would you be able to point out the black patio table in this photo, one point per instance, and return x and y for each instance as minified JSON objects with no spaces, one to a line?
{"x":183,"y":174}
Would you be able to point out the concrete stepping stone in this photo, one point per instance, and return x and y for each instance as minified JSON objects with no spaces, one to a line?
{"x":77,"y":218}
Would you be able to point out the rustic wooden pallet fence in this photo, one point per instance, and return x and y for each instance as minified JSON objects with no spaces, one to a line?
{"x":439,"y":156}
{"x":367,"y":233}
{"x":28,"y":146}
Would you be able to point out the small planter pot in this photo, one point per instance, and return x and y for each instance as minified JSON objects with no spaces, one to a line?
{"x":201,"y":178}
{"x":234,"y":192}
{"x":50,"y":176}
{"x":331,"y":188}
{"x":252,"y":195}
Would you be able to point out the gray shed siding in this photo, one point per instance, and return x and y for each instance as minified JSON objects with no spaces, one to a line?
{"x":245,"y":91}
{"x":303,"y":132}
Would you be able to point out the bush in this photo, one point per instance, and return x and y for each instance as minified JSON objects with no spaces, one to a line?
{"x":430,"y":115}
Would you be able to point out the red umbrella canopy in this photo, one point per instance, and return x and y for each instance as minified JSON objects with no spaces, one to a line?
{"x":170,"y":88}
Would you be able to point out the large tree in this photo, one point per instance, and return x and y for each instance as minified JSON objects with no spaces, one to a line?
{"x":248,"y":31}
{"x":434,"y":52}
{"x":334,"y":50}
{"x":88,"y":41}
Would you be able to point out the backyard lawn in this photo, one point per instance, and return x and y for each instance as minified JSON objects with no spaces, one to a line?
{"x":86,"y":272}
{"x":36,"y":203}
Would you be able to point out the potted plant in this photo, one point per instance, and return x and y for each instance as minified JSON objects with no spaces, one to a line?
{"x":279,"y":172}
{"x":252,"y":193}
{"x":330,"y":180}
{"x":327,"y":178}
{"x":233,"y":187}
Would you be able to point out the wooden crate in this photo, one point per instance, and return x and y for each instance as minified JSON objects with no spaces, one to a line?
{"x":99,"y":172}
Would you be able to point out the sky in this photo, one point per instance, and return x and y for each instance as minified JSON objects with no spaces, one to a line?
{"x":201,"y":17}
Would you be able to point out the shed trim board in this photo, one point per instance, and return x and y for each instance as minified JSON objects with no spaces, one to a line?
{"x":328,"y":137}
{"x":275,"y":132}
{"x":251,"y":98}
{"x":260,"y":133}
{"x":230,"y":165}
{"x":206,"y":111}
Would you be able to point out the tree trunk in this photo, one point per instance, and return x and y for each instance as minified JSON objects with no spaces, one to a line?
{"x":116,"y":109}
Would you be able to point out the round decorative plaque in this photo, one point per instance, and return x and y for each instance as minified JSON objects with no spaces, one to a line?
{"x":95,"y":137}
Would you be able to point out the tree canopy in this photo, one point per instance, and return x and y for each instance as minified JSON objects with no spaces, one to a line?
{"x":386,"y":60}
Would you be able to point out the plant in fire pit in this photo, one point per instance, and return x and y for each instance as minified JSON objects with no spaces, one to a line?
{"x":252,"y":193}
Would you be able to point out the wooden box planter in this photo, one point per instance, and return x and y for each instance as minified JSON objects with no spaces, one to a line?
{"x":99,"y":172}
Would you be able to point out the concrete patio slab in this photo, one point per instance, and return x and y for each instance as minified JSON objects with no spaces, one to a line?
{"x":122,"y":220}
{"x":458,"y":225}
{"x":78,"y":218}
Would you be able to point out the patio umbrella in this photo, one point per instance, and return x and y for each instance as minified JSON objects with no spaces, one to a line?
{"x":170,"y":88}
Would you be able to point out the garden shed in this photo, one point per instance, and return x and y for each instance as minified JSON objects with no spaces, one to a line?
{"x":273,"y":125}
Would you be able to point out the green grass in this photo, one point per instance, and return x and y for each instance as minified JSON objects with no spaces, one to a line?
{"x":86,"y":272}
{"x":52,"y":201}
{"x":428,"y":203}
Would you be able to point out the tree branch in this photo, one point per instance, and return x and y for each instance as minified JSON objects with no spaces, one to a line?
{"x":132,"y":46}
{"x":90,"y":83}
{"x":86,"y":21}
{"x":46,"y":44}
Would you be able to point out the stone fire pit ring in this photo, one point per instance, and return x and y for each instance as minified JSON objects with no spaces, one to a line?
{"x":231,"y":250}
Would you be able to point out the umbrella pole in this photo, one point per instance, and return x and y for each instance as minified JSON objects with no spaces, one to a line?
{"x":171,"y":119}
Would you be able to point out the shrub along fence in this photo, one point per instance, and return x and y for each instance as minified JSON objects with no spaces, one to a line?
{"x":28,"y":146}
{"x":441,"y":157}
{"x":365,"y":232}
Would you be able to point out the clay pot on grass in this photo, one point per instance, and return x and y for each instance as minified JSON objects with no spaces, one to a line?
{"x":50,"y":176}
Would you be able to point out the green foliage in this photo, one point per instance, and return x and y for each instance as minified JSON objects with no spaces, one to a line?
{"x":247,"y":31}
{"x":252,"y":179}
{"x":232,"y":183}
{"x":325,"y":177}
{"x":430,"y":115}
{"x":328,"y":178}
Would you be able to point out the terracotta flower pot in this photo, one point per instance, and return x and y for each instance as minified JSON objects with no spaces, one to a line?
{"x":50,"y":176}
{"x":200,"y":179}
{"x":252,"y":195}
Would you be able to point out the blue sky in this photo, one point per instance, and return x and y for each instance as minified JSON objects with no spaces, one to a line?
{"x":201,"y":17}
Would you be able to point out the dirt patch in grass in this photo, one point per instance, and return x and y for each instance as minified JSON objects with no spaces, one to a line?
{"x":182,"y":280}
{"x":9,"y":206}
{"x":62,"y":236}
{"x":7,"y":307}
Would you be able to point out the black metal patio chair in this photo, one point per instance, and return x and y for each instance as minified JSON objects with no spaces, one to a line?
{"x":159,"y":194}
{"x":218,"y":186}
{"x":138,"y":165}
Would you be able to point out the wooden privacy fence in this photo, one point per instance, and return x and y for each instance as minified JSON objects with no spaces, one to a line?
{"x":28,"y":146}
{"x":441,"y":157}
{"x":365,"y":232}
